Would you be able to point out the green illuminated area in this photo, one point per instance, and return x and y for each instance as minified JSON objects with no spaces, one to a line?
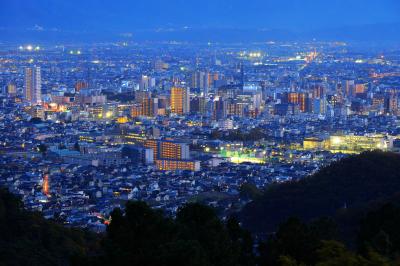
{"x":241,"y":157}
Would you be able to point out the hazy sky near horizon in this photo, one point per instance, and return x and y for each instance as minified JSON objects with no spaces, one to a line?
{"x":133,"y":15}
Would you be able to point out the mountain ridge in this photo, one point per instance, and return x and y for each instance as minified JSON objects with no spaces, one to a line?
{"x":381,"y":32}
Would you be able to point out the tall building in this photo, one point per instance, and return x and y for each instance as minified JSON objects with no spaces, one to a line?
{"x":220,"y":109}
{"x":172,"y":150}
{"x":319,"y":106}
{"x":11,"y":89}
{"x":180,"y":100}
{"x":339,"y":92}
{"x":198,"y":105}
{"x":302,"y":99}
{"x":81,"y":85}
{"x":242,"y":78}
{"x":141,"y":95}
{"x":146,"y":83}
{"x":37,"y":111}
{"x":318,"y":91}
{"x":391,"y":104}
{"x":33,"y":85}
{"x":349,"y":87}
{"x":168,"y":149}
{"x":201,"y":80}
{"x":173,"y":165}
{"x":359,"y":89}
{"x":150,"y":107}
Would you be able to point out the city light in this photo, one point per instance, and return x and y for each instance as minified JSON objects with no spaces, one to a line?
{"x":91,"y":119}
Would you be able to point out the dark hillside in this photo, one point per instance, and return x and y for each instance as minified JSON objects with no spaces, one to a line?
{"x":352,"y":183}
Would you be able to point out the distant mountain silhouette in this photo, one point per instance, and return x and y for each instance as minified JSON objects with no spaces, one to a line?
{"x":372,"y":32}
{"x":362,"y":33}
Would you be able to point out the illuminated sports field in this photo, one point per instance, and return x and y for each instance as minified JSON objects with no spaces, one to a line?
{"x":241,"y":157}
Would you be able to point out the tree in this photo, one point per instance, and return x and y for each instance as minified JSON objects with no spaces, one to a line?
{"x":250,"y":191}
{"x":28,"y":239}
{"x":380,"y":231}
{"x":296,"y":241}
{"x":354,"y":182}
{"x":333,"y":253}
{"x":143,"y":236}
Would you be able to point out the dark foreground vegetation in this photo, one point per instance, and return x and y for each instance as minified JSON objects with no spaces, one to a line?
{"x":345,"y":188}
{"x":347,"y":214}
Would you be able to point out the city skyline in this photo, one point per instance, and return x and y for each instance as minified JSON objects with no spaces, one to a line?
{"x":199,"y":133}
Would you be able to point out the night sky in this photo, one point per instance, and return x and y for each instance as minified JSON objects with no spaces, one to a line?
{"x":134,"y":15}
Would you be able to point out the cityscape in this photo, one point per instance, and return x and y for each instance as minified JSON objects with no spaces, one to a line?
{"x":88,"y":126}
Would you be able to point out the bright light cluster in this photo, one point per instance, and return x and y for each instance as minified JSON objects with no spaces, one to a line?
{"x":29,"y":48}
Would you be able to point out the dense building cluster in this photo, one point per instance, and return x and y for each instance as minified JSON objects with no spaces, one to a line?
{"x":84,"y":129}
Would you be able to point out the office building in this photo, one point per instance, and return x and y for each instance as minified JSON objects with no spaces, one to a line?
{"x":180,"y":100}
{"x":33,"y":85}
{"x":173,"y":165}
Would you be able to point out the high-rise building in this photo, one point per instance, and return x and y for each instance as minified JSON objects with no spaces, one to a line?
{"x":81,"y":85}
{"x":302,"y":99}
{"x":235,"y":108}
{"x":339,"y":92}
{"x":150,"y":107}
{"x":220,"y":109}
{"x":173,"y":165}
{"x":391,"y":104}
{"x":359,"y":89}
{"x":180,"y":100}
{"x":37,"y":111}
{"x":198,"y":105}
{"x":242,"y":77}
{"x":152,"y":144}
{"x":141,"y":95}
{"x":146,"y":83}
{"x":319,"y":106}
{"x":33,"y":85}
{"x":11,"y":89}
{"x":172,"y":150}
{"x":349,"y":87}
{"x":201,"y":80}
{"x":168,"y":149}
{"x":318,"y":91}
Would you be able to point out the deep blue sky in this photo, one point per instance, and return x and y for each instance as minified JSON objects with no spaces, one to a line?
{"x":133,"y":15}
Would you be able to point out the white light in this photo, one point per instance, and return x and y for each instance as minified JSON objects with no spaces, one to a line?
{"x":29,"y":47}
{"x":336,"y":140}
